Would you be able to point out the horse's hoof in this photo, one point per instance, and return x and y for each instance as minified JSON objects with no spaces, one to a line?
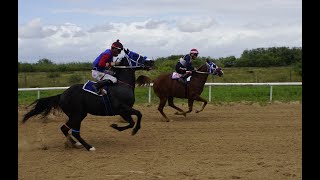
{"x":181,"y":113}
{"x":168,"y":120}
{"x":134,"y":131}
{"x":77,"y":145}
{"x":114,"y":126}
{"x":92,"y":149}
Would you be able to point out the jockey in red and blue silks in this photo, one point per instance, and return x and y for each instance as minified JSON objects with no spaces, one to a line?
{"x":103,"y":61}
{"x":184,"y":65}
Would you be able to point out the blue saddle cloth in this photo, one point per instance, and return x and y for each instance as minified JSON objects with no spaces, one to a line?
{"x":88,"y":87}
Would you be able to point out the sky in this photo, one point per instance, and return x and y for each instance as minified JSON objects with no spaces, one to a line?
{"x":66,"y":31}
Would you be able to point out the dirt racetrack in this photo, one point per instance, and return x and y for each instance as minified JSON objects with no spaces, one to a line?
{"x":235,"y":141}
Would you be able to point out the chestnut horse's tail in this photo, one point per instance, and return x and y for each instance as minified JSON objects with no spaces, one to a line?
{"x":143,"y":80}
{"x":42,"y":106}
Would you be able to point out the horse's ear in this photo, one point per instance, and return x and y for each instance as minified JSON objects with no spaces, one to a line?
{"x":126,"y":51}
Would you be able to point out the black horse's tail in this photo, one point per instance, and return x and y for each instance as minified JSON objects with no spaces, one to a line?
{"x":42,"y":106}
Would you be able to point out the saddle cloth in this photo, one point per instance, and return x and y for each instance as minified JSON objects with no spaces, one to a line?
{"x":88,"y":87}
{"x":176,"y":75}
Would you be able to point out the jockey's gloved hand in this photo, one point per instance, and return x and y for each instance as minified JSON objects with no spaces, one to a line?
{"x":108,"y":64}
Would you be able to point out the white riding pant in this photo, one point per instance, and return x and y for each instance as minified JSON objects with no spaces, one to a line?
{"x":97,"y":75}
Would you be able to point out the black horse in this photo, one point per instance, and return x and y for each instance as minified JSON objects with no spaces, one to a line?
{"x":76,"y":102}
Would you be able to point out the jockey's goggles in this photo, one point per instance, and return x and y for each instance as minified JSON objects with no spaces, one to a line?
{"x":118,"y":49}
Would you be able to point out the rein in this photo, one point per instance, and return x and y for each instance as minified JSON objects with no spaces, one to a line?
{"x":200,"y":72}
{"x":127,"y":67}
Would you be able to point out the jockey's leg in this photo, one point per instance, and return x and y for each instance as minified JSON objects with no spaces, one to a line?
{"x":100,"y":84}
{"x":183,"y":78}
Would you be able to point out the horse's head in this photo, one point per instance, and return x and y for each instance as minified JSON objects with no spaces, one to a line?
{"x":133,"y":59}
{"x":213,"y":68}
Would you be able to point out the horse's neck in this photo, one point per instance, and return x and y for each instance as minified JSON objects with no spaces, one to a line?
{"x":127,"y":76}
{"x":201,"y":77}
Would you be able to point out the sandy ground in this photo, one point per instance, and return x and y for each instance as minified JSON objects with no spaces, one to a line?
{"x":236,"y":141}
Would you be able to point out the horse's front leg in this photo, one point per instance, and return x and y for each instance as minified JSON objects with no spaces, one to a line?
{"x":128,"y":119}
{"x":190,"y":105}
{"x":126,"y":114}
{"x":199,"y":98}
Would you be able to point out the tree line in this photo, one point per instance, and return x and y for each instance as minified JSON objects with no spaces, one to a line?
{"x":259,"y":57}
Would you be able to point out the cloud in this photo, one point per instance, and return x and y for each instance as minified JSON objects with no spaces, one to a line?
{"x":83,"y":29}
{"x":34,"y":29}
{"x":102,"y":28}
{"x":195,"y":24}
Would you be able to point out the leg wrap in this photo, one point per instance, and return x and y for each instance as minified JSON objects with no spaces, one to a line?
{"x":76,"y":133}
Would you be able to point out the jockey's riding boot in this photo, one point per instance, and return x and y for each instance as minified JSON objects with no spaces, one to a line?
{"x":182,"y":79}
{"x":97,"y":87}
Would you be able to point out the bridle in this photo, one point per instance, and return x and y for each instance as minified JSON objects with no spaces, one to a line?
{"x":210,"y":70}
{"x":135,"y":62}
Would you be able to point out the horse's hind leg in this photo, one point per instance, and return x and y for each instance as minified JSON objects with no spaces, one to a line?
{"x":65,"y":130}
{"x":76,"y":123}
{"x":163,"y":101}
{"x":171,"y":104}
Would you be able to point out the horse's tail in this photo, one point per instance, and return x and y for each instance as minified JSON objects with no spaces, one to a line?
{"x":143,"y":80}
{"x":42,"y":106}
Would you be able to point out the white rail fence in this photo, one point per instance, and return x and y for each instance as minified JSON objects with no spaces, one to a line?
{"x":206,"y":84}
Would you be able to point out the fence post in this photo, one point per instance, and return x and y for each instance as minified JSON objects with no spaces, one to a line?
{"x":209,"y":93}
{"x":270,"y":93}
{"x":38,"y":94}
{"x":149,"y":100}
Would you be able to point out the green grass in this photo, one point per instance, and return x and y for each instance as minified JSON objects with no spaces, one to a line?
{"x":231,"y":75}
{"x":219,"y":94}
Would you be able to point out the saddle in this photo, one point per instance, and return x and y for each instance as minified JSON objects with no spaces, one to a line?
{"x":88,"y":87}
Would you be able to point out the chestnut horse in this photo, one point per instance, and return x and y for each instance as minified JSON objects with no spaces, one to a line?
{"x":167,"y":88}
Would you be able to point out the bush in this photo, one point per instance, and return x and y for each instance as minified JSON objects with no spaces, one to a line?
{"x":53,"y":75}
{"x":75,"y":78}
